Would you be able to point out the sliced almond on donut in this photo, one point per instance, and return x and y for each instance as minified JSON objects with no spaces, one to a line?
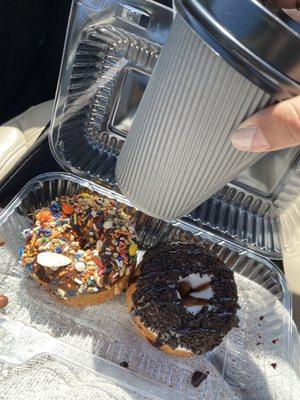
{"x":117,"y":290}
{"x":53,"y":261}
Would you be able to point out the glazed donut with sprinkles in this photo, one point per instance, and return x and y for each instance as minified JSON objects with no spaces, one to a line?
{"x":82,"y":248}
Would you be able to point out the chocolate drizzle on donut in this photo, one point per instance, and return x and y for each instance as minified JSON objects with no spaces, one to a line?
{"x":185,"y":289}
{"x":161,"y":299}
{"x":194,"y":301}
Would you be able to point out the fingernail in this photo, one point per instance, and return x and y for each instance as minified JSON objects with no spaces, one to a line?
{"x":249,"y":138}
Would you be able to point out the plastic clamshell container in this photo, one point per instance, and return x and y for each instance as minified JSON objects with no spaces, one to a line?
{"x":110,"y":52}
{"x":99,"y":338}
{"x":111,"y":49}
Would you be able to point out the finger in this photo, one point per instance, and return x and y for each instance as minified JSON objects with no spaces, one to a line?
{"x":287,"y":3}
{"x":273,"y":128}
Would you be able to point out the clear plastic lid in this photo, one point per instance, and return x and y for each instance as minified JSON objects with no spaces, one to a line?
{"x":110,"y":52}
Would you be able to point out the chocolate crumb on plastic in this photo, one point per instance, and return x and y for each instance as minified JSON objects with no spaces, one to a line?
{"x":198,"y":377}
{"x":124,"y":364}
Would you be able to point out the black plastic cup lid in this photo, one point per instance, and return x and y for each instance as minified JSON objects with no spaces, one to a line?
{"x":257,"y":38}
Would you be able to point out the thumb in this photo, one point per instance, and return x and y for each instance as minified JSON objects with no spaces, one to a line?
{"x":273,"y":128}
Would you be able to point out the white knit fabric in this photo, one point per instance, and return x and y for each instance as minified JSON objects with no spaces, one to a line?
{"x":107,"y":331}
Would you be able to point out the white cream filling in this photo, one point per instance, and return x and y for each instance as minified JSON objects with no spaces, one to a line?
{"x":139,"y":257}
{"x":180,"y":348}
{"x":195,"y":280}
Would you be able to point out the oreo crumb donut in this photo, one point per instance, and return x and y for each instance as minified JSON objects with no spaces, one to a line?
{"x":81,"y":248}
{"x":183,"y":299}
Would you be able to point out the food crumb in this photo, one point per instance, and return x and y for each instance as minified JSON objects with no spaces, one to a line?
{"x":3,"y":301}
{"x":197,"y":378}
{"x":261,"y":317}
{"x":124,"y":364}
{"x":2,"y":243}
{"x":274,"y":341}
{"x":274,"y":365}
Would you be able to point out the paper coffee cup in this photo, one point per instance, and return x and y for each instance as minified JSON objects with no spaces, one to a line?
{"x":178,"y":151}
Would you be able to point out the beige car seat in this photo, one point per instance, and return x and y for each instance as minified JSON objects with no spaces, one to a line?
{"x":20,"y":133}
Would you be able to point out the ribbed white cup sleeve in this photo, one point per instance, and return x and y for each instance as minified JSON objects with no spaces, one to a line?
{"x":178,"y":151}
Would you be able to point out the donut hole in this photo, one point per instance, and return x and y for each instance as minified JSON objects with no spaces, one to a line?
{"x":195,"y":290}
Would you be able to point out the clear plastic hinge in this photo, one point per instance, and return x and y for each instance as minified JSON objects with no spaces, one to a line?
{"x":133,"y":15}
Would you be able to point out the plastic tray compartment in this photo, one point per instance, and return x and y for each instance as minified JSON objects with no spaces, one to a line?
{"x":99,"y":338}
{"x":256,"y":219}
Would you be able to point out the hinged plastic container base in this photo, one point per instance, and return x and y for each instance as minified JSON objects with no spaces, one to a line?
{"x":99,"y":338}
